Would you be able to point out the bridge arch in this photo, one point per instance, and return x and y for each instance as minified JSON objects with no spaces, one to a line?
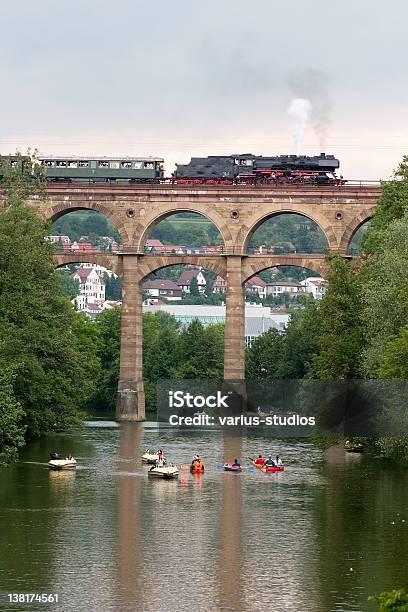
{"x":110,"y":262}
{"x":55,"y":212}
{"x":253,"y":266}
{"x":255,"y":222}
{"x":149,"y":265}
{"x":145,"y":226}
{"x":352,"y":228}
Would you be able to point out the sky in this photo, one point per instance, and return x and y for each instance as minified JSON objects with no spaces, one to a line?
{"x":182,"y":78}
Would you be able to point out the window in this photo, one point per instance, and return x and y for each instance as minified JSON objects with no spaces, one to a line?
{"x":149,"y":165}
{"x":137,"y":165}
{"x":126,"y":164}
{"x":114,"y":165}
{"x":72,"y":164}
{"x":83,"y":164}
{"x":103,"y":164}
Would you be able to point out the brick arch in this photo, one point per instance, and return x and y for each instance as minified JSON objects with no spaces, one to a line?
{"x":55,"y":212}
{"x":255,"y":222}
{"x":353,"y":227}
{"x":253,"y":266}
{"x":149,"y":264}
{"x":111,"y":262}
{"x":145,"y":226}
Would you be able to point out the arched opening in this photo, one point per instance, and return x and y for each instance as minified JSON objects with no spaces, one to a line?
{"x":183,"y":326}
{"x":84,"y":231}
{"x":286,"y":233}
{"x":91,"y":287}
{"x":354,"y":247}
{"x":183,"y":233}
{"x":281,"y":293}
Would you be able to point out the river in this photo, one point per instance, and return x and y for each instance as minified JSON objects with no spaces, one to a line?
{"x":321,"y":536}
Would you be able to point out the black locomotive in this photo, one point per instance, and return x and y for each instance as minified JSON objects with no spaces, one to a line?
{"x":255,"y":169}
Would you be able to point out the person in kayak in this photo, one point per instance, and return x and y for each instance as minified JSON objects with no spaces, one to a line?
{"x":270,"y":462}
{"x":278,"y":460}
{"x":197,"y":464}
{"x":260,"y":460}
{"x":236,"y":463}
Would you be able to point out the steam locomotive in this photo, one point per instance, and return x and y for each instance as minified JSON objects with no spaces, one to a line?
{"x":254,"y":169}
{"x":245,"y":169}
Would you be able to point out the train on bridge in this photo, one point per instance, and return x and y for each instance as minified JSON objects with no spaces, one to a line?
{"x":242,"y":169}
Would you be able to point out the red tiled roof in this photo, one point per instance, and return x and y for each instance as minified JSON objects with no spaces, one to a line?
{"x":255,"y":280}
{"x":161,"y":283}
{"x":187,"y":276}
{"x":151,"y":242}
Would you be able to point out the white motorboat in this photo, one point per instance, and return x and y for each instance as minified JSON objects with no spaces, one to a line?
{"x":150,"y":458}
{"x":62,"y":464}
{"x":165,"y":471}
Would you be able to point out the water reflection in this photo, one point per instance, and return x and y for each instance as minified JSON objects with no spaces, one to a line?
{"x":129,"y":573}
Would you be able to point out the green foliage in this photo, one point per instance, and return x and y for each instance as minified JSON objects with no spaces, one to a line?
{"x":11,"y":418}
{"x":264,"y":358}
{"x":341,"y":333}
{"x":107,"y":329}
{"x":192,"y":231}
{"x":41,"y":338}
{"x":85,"y":223}
{"x":194,"y":287}
{"x":391,"y":601}
{"x":288,"y":232}
{"x":113,"y":287}
{"x":392,"y":205}
{"x":69,"y":285}
{"x":394,"y":358}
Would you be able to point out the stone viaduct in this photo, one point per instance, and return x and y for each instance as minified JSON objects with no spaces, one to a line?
{"x":237,"y":211}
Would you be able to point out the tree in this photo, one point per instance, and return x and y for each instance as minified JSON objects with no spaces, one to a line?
{"x":11,"y":418}
{"x":394,"y":359}
{"x":264,"y":357}
{"x":113,"y":287}
{"x":107,"y":327}
{"x":341,"y":334}
{"x":69,"y":285}
{"x":201,"y":351}
{"x":37,"y":321}
{"x":194,"y":287}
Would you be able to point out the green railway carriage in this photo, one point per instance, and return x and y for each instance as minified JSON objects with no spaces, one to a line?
{"x":100,"y":169}
{"x":12,"y":162}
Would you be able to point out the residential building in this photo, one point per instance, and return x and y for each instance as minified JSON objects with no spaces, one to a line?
{"x":315,"y":285}
{"x":59,"y":239}
{"x":91,"y":287}
{"x":99,"y":269}
{"x":161,"y":287}
{"x":185,"y":278}
{"x":219,"y":285}
{"x":257,"y":286}
{"x":277,"y":288}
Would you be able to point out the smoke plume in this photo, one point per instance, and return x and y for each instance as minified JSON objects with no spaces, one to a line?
{"x":300,"y":109}
{"x":313,"y":85}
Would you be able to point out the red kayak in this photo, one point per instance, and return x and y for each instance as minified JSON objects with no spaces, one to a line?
{"x":229,"y":467}
{"x":272,"y":468}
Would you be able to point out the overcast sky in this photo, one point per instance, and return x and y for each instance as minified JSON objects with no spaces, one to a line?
{"x":180,"y":78}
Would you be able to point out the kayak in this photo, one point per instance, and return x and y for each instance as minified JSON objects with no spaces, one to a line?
{"x":258,"y":466}
{"x":273,"y":468}
{"x":150,"y":458}
{"x":228,"y":467}
{"x":167,"y":472}
{"x":197,"y":470}
{"x":62,"y":464}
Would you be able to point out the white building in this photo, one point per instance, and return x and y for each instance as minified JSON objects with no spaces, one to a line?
{"x":316,"y":286}
{"x":99,"y":269}
{"x":161,"y":287}
{"x":91,"y":287}
{"x":184,"y":281}
{"x":277,"y":288}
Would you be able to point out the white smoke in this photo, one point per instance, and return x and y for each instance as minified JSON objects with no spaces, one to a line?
{"x":313,"y":85}
{"x":300,"y":109}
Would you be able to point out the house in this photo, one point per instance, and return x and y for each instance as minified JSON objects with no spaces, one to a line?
{"x":184,"y":281}
{"x":81,"y":247}
{"x":315,"y":285}
{"x":257,"y":286}
{"x":277,"y":288}
{"x":153,"y":244}
{"x":99,"y":269}
{"x":219,"y":285}
{"x":59,"y":239}
{"x":161,"y":287}
{"x":91,"y":287}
